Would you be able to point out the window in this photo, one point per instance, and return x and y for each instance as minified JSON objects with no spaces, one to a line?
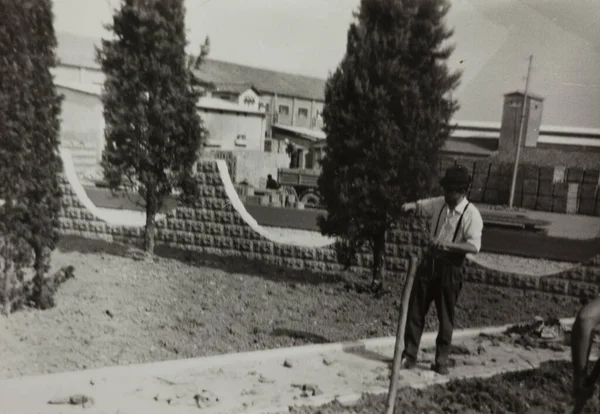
{"x":302,"y":113}
{"x":284,"y":110}
{"x":240,"y":141}
{"x":267,"y":108}
{"x":268,"y":145}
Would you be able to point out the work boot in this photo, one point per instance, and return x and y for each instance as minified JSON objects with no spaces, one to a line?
{"x":407,"y":363}
{"x":440,"y":369}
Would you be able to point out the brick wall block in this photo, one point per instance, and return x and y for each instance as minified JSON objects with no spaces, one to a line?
{"x":195,"y":226}
{"x":475,"y":274}
{"x":560,"y":190}
{"x":233,"y":231}
{"x":493,"y":182}
{"x":176,"y":225}
{"x":546,"y":173}
{"x":593,"y":274}
{"x":491,"y":196}
{"x":506,"y":169}
{"x":390,"y":250}
{"x":479,"y":180}
{"x":242,"y":245}
{"x":207,"y":191}
{"x":314,"y":266}
{"x":185,"y":238}
{"x":185,"y":213}
{"x":262,"y":247}
{"x":587,"y":206}
{"x":588,"y":191}
{"x":526,"y":282}
{"x":529,"y":201}
{"x":207,"y":166}
{"x":481,"y":167}
{"x":530,"y":171}
{"x":223,"y":242}
{"x":544,"y":203}
{"x":476,"y":195}
{"x":530,"y":187}
{"x":575,"y":175}
{"x":554,"y":285}
{"x":65,"y":203}
{"x":101,"y":228}
{"x":396,"y":264}
{"x":559,"y":205}
{"x":591,"y":176}
{"x":494,"y":277}
{"x":204,"y":240}
{"x":223,"y":217}
{"x":583,"y":290}
{"x":546,"y":188}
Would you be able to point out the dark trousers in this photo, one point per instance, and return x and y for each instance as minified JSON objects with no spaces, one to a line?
{"x":439,"y":281}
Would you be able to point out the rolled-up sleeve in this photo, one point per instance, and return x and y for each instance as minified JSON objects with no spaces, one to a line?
{"x":474,"y":229}
{"x":427,"y":206}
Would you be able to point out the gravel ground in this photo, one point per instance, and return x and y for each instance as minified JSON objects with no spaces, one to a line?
{"x":541,"y":391}
{"x":119,"y":311}
{"x":302,"y":236}
{"x":521,"y":265}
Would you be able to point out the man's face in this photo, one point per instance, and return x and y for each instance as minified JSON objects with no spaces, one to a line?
{"x":452,"y":197}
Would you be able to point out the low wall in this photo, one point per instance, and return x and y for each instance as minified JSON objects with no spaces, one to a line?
{"x":219,"y":224}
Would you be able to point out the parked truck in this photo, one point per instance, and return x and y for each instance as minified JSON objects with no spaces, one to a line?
{"x":304,"y":181}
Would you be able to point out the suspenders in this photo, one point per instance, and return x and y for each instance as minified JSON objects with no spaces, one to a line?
{"x":457,"y":224}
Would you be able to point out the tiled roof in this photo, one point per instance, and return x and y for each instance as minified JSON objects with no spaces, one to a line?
{"x":79,"y":51}
{"x":236,"y":88}
{"x":264,"y":80}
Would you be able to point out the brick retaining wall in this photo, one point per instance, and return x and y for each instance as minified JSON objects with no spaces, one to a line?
{"x":214,"y":226}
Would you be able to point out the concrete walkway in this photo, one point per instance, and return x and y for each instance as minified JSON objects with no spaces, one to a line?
{"x":261,"y":382}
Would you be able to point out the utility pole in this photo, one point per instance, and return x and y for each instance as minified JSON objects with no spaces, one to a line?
{"x":518,"y":152}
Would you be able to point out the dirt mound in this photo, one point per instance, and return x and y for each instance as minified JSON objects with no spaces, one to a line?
{"x":543,"y":390}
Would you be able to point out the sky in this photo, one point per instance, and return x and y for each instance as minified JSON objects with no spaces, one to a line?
{"x":493,"y":39}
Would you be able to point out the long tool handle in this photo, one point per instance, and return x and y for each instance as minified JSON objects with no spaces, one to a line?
{"x":412,"y":270}
{"x":591,"y":382}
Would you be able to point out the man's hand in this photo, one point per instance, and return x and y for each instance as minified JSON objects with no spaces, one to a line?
{"x":408,"y":207}
{"x":440,"y":246}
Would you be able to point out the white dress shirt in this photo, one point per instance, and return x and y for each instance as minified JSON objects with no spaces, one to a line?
{"x":471,"y":226}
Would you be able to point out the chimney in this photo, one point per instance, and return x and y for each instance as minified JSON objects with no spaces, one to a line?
{"x":511,"y":122}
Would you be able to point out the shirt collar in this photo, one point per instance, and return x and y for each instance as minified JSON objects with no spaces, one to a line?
{"x":460,"y":207}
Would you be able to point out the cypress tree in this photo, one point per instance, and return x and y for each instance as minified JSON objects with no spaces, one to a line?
{"x":30,"y":162}
{"x":386,"y":115}
{"x":153,"y":130}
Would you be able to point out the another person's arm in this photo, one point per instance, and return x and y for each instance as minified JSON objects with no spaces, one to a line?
{"x":581,"y":340}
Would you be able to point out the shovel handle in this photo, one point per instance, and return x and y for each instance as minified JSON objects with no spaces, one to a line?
{"x":399,"y":348}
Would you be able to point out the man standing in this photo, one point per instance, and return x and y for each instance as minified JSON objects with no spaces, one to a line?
{"x":271,"y":183}
{"x":581,"y":344}
{"x":455,"y":231}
